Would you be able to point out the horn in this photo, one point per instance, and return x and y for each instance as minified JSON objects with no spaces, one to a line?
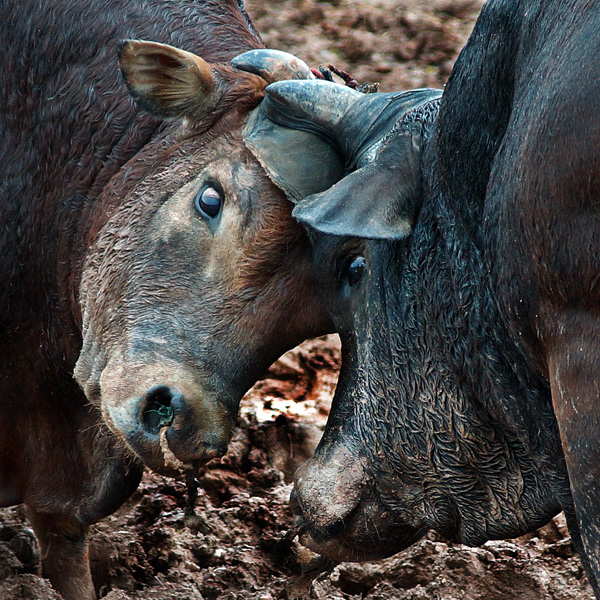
{"x":356,"y":123}
{"x":272,"y":65}
{"x":316,"y":105}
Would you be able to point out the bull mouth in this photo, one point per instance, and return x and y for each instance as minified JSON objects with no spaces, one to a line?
{"x":156,"y":454}
{"x":368,"y":532}
{"x":341,"y":514}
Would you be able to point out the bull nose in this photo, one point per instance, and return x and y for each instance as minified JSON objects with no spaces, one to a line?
{"x":328,"y":488}
{"x":167,"y":416}
{"x":338,"y":513}
{"x":157,"y":410}
{"x":195,"y":431}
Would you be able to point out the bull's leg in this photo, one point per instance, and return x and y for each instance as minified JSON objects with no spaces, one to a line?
{"x":574,"y":368}
{"x":64,"y":549}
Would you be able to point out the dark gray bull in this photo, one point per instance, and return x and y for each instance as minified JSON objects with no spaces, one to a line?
{"x":461,"y":266}
{"x":149,"y":254}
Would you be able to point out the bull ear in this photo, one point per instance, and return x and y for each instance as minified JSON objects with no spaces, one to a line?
{"x":378,"y":201}
{"x":168,"y":82}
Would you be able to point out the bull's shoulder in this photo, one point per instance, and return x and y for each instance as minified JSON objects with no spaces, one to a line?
{"x":512,"y":67}
{"x":67,"y":122}
{"x":61,"y":88}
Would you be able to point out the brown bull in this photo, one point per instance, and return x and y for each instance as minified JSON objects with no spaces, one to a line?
{"x":149,"y":255}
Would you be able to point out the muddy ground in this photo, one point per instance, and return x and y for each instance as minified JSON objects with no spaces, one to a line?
{"x":237,"y":550}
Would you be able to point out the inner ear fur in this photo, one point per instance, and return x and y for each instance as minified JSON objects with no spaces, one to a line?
{"x":171,"y":83}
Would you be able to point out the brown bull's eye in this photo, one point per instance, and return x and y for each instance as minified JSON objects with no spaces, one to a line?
{"x":355,"y":270}
{"x":208,"y":202}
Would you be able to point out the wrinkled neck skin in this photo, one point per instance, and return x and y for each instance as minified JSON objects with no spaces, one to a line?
{"x":461,"y":437}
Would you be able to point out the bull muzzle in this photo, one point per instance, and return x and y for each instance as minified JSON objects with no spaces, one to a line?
{"x":165,"y":412}
{"x":338,"y":512}
{"x":172,"y":423}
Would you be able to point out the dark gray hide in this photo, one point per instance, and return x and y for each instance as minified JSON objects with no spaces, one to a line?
{"x":468,"y":398}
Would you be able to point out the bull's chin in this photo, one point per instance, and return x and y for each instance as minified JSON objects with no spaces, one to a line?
{"x":364,"y":535}
{"x":155,"y":453}
{"x":151,"y":455}
{"x":155,"y":462}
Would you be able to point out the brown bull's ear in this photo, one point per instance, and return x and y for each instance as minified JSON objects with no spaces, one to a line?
{"x":168,"y":82}
{"x":378,"y":201}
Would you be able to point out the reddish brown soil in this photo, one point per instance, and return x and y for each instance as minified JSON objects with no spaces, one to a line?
{"x":237,"y":551}
{"x":401,"y":44}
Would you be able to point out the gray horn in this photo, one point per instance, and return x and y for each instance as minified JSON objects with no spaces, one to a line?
{"x":315,"y":105}
{"x":272,"y":65}
{"x":355,"y":123}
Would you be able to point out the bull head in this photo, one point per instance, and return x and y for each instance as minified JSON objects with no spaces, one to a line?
{"x":382,"y":137}
{"x":184,"y":282}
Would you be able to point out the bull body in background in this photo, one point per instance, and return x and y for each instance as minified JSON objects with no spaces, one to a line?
{"x":462,"y":270}
{"x":147,"y":253}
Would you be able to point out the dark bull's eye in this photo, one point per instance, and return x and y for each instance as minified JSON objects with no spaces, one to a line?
{"x":208,"y":202}
{"x":355,"y":270}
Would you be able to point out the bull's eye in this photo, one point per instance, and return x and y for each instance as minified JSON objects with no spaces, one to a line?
{"x":208,"y":202}
{"x":354,"y":270}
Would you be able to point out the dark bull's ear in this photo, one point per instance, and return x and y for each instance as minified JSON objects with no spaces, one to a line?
{"x":378,"y":201}
{"x":298,"y":162}
{"x":308,"y":134}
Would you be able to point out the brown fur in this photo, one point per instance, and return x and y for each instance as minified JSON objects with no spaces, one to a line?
{"x":93,"y":272}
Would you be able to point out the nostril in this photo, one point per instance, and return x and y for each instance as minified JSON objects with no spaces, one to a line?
{"x":158,"y":409}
